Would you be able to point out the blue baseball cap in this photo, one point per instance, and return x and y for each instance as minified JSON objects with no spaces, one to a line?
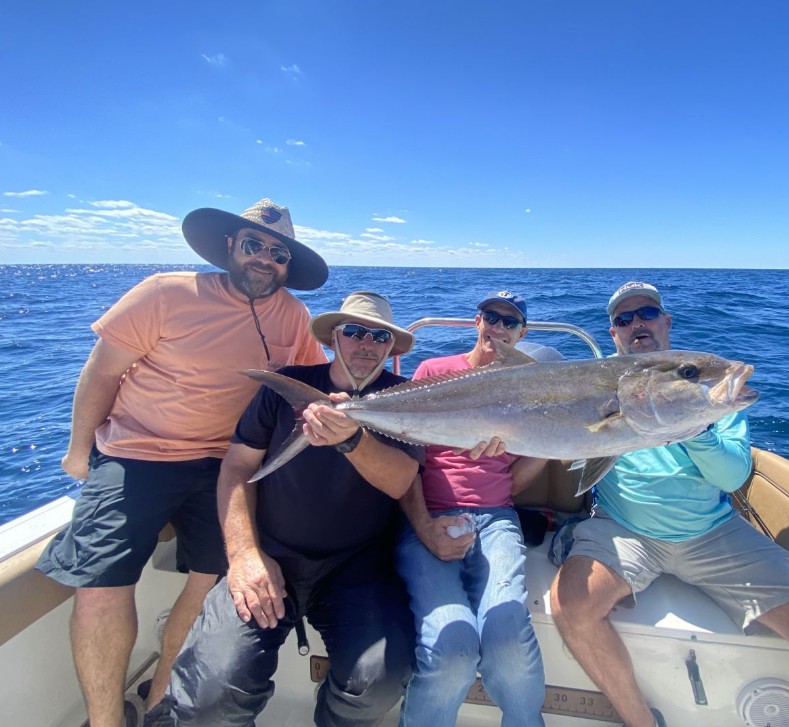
{"x":505,"y":296}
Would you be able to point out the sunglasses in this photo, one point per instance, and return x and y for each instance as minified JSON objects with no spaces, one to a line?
{"x":358,"y":333}
{"x":250,"y":246}
{"x":492,"y":318}
{"x":645,"y":313}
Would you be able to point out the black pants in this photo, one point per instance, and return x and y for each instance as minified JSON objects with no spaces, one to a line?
{"x":224,"y":673}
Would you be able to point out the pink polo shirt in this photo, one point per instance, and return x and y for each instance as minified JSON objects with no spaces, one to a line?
{"x":194,"y":333}
{"x":455,"y":480}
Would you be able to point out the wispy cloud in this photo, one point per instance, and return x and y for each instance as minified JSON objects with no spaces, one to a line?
{"x":294,"y":72}
{"x":391,"y":218}
{"x":218,"y":59}
{"x":295,"y":142}
{"x":380,"y":238}
{"x":27,"y":193}
{"x":122,"y":231}
{"x":102,"y":226}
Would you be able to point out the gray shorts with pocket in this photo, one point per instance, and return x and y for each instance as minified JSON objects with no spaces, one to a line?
{"x":743,"y":571}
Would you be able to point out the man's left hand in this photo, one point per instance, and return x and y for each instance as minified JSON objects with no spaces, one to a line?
{"x":493,"y":448}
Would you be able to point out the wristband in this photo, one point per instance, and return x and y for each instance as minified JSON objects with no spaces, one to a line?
{"x":348,"y":445}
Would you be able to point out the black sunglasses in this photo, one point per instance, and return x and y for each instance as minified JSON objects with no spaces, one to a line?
{"x":492,"y":318}
{"x":250,"y":246}
{"x":357,"y":332}
{"x":645,"y":313}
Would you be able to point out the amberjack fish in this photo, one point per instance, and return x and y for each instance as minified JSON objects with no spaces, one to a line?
{"x":589,"y":411}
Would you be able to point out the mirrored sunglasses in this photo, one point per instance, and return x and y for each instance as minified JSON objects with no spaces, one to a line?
{"x":357,"y":332}
{"x":250,"y":246}
{"x":492,"y":318}
{"x":645,"y":313}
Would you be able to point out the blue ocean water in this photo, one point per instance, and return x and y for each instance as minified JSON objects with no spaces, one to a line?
{"x":45,"y":337}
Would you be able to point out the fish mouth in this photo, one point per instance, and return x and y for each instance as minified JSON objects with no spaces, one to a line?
{"x":732,"y":389}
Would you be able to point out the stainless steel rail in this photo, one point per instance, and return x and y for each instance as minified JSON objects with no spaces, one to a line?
{"x":585,"y":336}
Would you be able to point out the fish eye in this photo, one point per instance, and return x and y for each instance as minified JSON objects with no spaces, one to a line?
{"x":688,"y":372}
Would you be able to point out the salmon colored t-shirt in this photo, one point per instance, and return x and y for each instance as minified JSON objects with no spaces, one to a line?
{"x":194,"y":333}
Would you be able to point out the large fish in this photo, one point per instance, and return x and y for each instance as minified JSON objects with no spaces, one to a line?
{"x":589,"y":411}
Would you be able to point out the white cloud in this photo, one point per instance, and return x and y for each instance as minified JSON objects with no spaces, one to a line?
{"x":218,"y":59}
{"x":381,"y":238}
{"x":295,"y":142}
{"x":28,"y":193}
{"x":373,"y":229}
{"x":398,"y":220}
{"x":293,"y":71}
{"x":423,"y":242}
{"x":103,"y":227}
{"x":113,"y":204}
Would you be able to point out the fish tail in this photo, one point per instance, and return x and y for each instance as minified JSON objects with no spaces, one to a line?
{"x":298,"y":394}
{"x":295,"y":443}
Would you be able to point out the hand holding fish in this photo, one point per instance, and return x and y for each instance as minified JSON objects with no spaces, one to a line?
{"x":324,"y":426}
{"x":257,"y":586}
{"x":493,"y":448}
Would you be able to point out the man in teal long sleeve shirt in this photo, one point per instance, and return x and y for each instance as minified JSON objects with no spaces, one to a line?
{"x":664,"y":510}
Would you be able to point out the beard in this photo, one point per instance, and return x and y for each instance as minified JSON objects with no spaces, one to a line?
{"x":256,"y":280}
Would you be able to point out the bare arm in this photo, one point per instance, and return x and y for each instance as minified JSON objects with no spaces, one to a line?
{"x":386,"y":468}
{"x":433,"y":531}
{"x":94,"y":396}
{"x":524,"y":471}
{"x":254,"y":579}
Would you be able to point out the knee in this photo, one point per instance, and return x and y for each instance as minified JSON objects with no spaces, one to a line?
{"x":455,"y":654}
{"x":99,"y":602}
{"x":569,"y":603}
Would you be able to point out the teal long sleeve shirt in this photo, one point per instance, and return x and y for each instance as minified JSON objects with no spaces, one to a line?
{"x":680,"y":491}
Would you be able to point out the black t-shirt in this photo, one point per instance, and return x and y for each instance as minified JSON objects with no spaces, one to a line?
{"x":316,"y":505}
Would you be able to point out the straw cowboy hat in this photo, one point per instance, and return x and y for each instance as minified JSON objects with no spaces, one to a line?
{"x":368,"y":308}
{"x":206,"y":230}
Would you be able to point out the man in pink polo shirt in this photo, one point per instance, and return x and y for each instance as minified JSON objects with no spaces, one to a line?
{"x":154,"y":409}
{"x":463,"y":559}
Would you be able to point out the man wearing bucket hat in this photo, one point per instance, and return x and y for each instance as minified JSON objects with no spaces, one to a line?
{"x":664,"y":510}
{"x":313,"y":538}
{"x":463,"y":559}
{"x":154,"y":409}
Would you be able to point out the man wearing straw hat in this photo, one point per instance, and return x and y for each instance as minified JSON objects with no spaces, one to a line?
{"x":314,"y":539}
{"x":154,"y":409}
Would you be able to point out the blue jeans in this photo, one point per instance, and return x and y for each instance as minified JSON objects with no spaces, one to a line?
{"x":471,"y":616}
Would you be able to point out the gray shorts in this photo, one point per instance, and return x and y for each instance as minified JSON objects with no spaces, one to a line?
{"x":117,"y":518}
{"x":743,"y":571}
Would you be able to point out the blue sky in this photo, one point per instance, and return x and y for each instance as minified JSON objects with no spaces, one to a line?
{"x":538,"y":133}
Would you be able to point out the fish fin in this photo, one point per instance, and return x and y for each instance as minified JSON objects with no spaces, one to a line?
{"x":427,"y":381}
{"x":593,"y":471}
{"x":295,"y":443}
{"x":296,"y":393}
{"x":604,"y":424}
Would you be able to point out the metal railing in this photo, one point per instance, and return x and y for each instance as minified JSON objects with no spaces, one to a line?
{"x":585,"y":336}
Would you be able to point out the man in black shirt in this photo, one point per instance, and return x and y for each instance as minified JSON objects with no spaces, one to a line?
{"x":312,"y":539}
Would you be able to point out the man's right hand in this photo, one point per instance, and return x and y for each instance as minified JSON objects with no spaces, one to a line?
{"x":434,"y":535}
{"x":257,"y":586}
{"x":76,"y":467}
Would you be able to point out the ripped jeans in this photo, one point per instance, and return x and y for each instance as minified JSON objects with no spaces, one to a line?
{"x":471,"y":616}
